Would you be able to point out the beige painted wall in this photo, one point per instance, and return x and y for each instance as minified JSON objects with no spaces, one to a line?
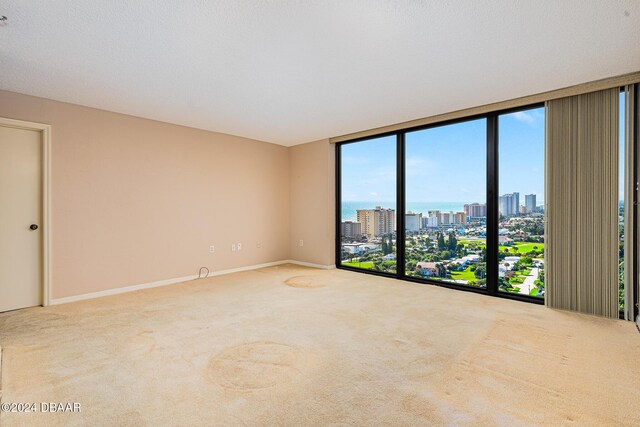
{"x":312,"y":168}
{"x":136,"y":201}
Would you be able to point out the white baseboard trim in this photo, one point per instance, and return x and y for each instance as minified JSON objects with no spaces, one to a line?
{"x":122,"y":290}
{"x":149,"y":285}
{"x":310,"y":264}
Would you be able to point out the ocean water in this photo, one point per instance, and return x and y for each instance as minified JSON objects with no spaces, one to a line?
{"x":349,"y":208}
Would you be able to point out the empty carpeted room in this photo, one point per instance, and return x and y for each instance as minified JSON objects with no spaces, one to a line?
{"x":319,"y":213}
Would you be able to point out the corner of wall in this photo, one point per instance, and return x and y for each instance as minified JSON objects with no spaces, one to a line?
{"x":312,"y":202}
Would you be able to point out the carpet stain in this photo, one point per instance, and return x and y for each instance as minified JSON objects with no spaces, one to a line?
{"x":305,"y":282}
{"x":142,"y":343}
{"x":254,"y":366}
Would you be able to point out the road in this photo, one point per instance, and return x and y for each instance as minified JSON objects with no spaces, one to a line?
{"x":528,"y":285}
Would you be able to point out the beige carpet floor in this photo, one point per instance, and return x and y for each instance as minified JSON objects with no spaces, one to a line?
{"x":292,"y":346}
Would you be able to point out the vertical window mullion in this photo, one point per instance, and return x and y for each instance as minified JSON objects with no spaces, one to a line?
{"x":400,"y":205}
{"x":338,"y":190}
{"x":492,"y":204}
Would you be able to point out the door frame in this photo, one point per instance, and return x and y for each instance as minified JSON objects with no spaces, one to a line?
{"x":45,"y":139}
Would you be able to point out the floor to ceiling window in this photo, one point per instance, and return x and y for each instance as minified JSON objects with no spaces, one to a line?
{"x":460,"y":204}
{"x":368,"y":205}
{"x":446,"y":210}
{"x":521,"y":202}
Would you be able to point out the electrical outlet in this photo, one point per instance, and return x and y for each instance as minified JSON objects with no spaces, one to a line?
{"x":212,"y":249}
{"x":239,"y":246}
{"x":301,"y":242}
{"x":233,"y":247}
{"x":258,"y":245}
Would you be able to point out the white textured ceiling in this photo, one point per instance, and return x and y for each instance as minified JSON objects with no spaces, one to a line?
{"x":290,"y":72}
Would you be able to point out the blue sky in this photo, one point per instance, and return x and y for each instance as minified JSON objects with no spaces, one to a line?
{"x":448,"y":163}
{"x":522,"y":153}
{"x":369,"y":170}
{"x":622,"y":109}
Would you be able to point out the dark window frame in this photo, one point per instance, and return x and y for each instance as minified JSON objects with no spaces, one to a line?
{"x":492,"y":181}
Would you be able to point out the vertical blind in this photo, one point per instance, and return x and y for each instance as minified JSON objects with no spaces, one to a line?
{"x":629,"y":201}
{"x":581,"y":250}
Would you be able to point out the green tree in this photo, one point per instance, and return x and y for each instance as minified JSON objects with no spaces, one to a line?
{"x":387,"y":244}
{"x":453,"y":242}
{"x":481,"y":271}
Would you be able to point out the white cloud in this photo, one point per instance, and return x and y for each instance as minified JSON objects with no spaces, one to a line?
{"x":523,"y":117}
{"x":373,"y":193}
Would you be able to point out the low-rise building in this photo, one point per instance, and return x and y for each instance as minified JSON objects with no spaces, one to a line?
{"x":352,"y":248}
{"x":429,"y":269}
{"x":505,"y":240}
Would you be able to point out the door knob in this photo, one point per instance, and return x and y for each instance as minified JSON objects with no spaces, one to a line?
{"x":33,"y":226}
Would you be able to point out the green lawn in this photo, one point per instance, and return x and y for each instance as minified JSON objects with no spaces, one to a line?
{"x":465,"y":274}
{"x":363,"y":264}
{"x":480,"y":243}
{"x":523,"y":247}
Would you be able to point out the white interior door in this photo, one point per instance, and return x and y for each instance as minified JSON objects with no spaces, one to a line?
{"x":20,"y":214}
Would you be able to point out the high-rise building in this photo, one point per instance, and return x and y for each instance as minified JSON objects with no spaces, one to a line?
{"x":437,"y":215}
{"x":445,"y":218}
{"x":509,"y":204}
{"x":460,"y":218}
{"x":351,"y":229}
{"x":530,"y":203}
{"x":377,"y":222}
{"x":475,"y":210}
{"x":429,"y":222}
{"x":412,"y":221}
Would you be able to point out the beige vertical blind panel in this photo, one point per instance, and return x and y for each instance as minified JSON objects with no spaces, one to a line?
{"x":629,"y":201}
{"x":581,"y":244}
